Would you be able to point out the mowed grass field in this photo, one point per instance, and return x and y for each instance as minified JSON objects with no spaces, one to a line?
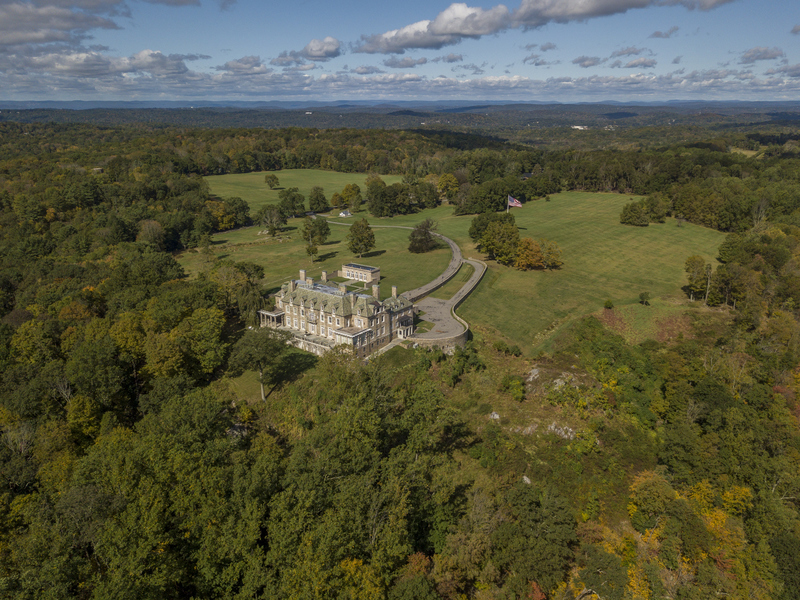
{"x":252,"y":189}
{"x":282,"y":257}
{"x":603,"y":260}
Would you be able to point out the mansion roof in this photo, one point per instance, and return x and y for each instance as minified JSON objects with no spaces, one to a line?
{"x":318,"y":296}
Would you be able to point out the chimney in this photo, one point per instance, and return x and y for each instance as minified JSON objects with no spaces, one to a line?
{"x":325,"y":277}
{"x":302,"y":275}
{"x":310,"y":281}
{"x":342,"y":288}
{"x":376,"y":292}
{"x":291,"y":285}
{"x":394,"y":291}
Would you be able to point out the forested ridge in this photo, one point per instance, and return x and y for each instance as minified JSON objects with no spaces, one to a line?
{"x":132,"y":468}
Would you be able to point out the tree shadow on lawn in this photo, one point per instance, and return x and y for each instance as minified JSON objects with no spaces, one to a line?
{"x":373,"y":254}
{"x":292,"y":365}
{"x":326,"y":256}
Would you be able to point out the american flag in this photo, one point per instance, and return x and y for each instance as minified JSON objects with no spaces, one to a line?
{"x":514,"y":202}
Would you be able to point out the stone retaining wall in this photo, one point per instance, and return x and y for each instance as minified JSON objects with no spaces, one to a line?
{"x":446,"y":344}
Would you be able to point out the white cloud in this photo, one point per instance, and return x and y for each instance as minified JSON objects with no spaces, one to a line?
{"x":587,"y":61}
{"x":536,"y":60}
{"x":760,"y":53}
{"x":792,"y":71}
{"x":456,"y":22}
{"x":665,"y":34}
{"x":459,"y":21}
{"x":321,"y":50}
{"x":93,"y":64}
{"x":367,"y":70}
{"x":302,"y":68}
{"x":397,"y":41}
{"x":287,"y":59}
{"x":404,"y":63}
{"x":450,"y":58}
{"x":316,"y":50}
{"x":677,"y":60}
{"x":473,"y":69}
{"x":547,"y":46}
{"x":465,"y":21}
{"x":105,"y":81}
{"x":247,"y":65}
{"x":23,"y":23}
{"x":630,"y":51}
{"x":641,"y":63}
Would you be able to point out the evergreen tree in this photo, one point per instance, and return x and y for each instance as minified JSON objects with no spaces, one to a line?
{"x":421,"y":238}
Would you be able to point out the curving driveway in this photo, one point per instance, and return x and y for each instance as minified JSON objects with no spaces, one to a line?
{"x":442,"y":313}
{"x":446,"y":324}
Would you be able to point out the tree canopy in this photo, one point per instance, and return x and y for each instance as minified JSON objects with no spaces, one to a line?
{"x":360,"y":239}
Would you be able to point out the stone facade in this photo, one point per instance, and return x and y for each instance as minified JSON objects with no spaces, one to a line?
{"x":321,"y":316}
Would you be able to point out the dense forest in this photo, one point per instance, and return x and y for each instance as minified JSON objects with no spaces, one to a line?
{"x":131,"y":468}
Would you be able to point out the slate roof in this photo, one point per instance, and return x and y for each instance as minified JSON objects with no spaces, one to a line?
{"x":332,"y":300}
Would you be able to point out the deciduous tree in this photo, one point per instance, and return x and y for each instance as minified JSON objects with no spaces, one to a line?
{"x":551,"y":254}
{"x":529,"y":255}
{"x":317,"y":202}
{"x":351,"y":197}
{"x":271,"y":217}
{"x":259,"y":350}
{"x":448,"y":186}
{"x":360,"y":238}
{"x":292,"y":202}
{"x":315,"y":232}
{"x":271,"y":180}
{"x":500,"y":241}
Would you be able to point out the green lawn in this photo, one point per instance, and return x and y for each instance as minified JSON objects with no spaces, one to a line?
{"x":602,"y":260}
{"x":449,"y":289}
{"x":251,"y":186}
{"x":284,"y":256}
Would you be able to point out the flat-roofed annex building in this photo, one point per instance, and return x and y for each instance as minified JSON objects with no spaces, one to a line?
{"x":320,"y":316}
{"x":359,"y":272}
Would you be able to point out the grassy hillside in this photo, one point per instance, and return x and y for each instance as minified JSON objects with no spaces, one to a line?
{"x":283,"y":256}
{"x":603,"y":260}
{"x":251,"y":186}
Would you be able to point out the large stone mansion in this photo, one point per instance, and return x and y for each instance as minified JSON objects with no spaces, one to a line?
{"x":322,"y":315}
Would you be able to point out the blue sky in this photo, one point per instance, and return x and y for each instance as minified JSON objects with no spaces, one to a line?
{"x":543,"y":50}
